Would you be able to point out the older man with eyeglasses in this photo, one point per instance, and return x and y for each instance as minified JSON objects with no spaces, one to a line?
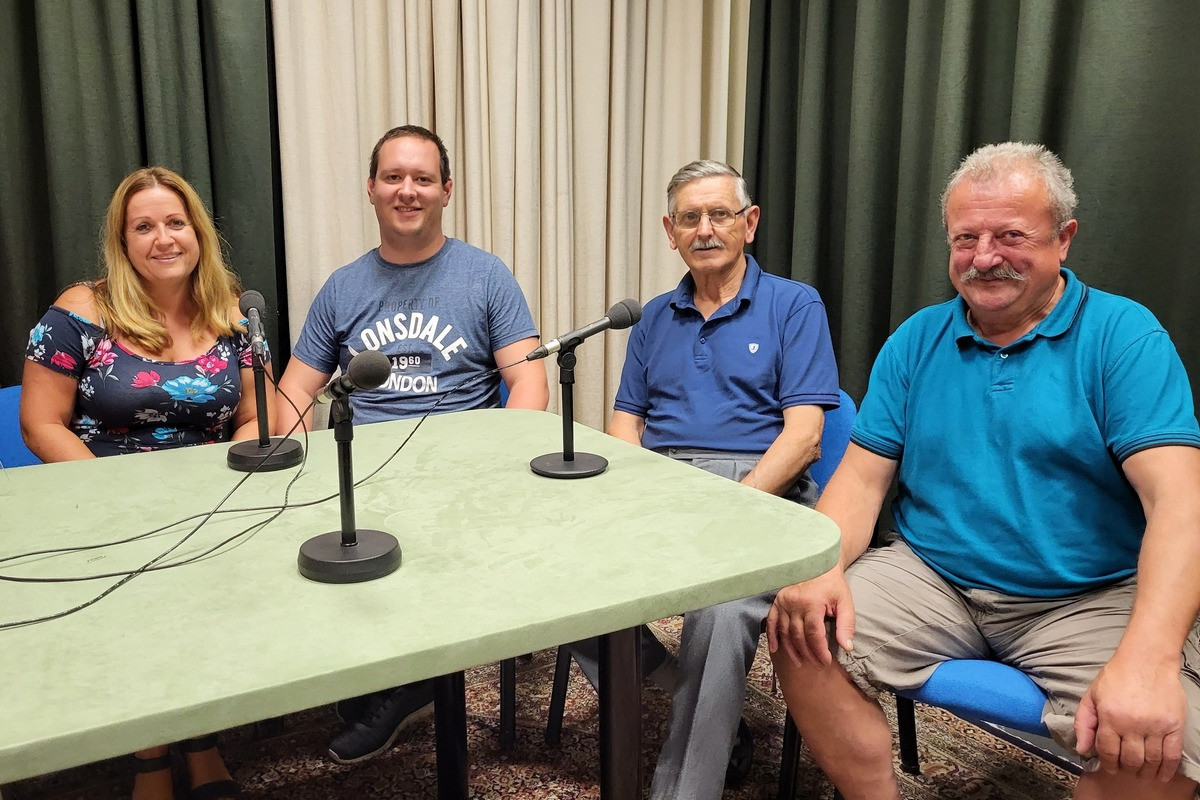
{"x":732,"y":373}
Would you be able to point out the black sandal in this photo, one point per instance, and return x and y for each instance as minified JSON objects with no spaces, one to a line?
{"x":213,"y":790}
{"x":147,"y":765}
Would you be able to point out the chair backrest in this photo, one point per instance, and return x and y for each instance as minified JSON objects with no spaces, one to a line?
{"x":834,"y":440}
{"x":13,"y":452}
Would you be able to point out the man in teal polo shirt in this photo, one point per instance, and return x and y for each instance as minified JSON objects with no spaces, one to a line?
{"x":1048,"y":511}
{"x":730,"y":372}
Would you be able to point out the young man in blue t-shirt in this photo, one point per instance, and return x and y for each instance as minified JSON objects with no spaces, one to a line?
{"x":443,"y":312}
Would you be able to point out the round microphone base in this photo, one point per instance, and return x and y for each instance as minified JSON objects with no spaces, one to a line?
{"x":584,"y":465}
{"x":325,"y":559}
{"x":250,"y":455}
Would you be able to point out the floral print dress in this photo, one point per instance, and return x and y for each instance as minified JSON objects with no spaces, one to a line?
{"x":127,"y":403}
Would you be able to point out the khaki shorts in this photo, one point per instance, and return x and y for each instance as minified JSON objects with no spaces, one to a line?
{"x":909,"y":620}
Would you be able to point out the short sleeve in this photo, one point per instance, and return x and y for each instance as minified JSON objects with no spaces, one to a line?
{"x":509,"y":319}
{"x":62,"y":341}
{"x":1147,"y":399}
{"x":879,"y":426}
{"x":808,"y":374}
{"x":632,"y":394}
{"x":318,"y":344}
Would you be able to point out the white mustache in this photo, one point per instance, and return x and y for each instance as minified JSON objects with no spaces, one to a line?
{"x":710,"y":243}
{"x":1002,"y":272}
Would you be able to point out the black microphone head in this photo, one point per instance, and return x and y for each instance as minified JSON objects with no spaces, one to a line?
{"x":368,"y":370}
{"x":624,"y":313}
{"x":251,"y":299}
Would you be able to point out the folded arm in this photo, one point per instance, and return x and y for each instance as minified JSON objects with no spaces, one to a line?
{"x":796,"y":447}
{"x":626,"y":426}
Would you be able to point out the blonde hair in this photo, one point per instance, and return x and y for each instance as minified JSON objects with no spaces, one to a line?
{"x":125,"y":307}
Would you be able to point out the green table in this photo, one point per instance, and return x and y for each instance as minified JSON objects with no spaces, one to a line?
{"x":497,"y":562}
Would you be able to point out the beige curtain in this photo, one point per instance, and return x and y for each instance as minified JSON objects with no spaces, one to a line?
{"x":564,"y":122}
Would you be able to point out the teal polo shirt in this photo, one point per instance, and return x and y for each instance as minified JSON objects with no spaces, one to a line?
{"x":1010,"y":457}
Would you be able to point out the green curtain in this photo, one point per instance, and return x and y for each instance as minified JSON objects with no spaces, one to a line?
{"x":857,"y":112}
{"x":93,"y":90}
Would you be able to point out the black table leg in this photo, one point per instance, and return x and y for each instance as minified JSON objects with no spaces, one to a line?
{"x":450,"y":722}
{"x":508,"y":704}
{"x":620,"y":716}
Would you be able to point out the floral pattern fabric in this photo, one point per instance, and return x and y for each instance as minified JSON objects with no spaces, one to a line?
{"x":127,"y":403}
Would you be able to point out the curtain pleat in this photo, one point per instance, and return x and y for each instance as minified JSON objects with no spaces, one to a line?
{"x":857,"y":112}
{"x":564,"y":122}
{"x":95,"y":90}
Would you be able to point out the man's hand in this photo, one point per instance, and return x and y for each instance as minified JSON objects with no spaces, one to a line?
{"x":1134,"y":714}
{"x":796,"y":621}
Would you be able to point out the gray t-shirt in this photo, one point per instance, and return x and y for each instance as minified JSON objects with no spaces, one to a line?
{"x":439,"y":321}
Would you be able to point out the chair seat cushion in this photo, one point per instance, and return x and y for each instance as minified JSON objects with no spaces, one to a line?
{"x":984,"y":691}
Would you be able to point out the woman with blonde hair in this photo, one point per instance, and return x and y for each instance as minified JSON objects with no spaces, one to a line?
{"x":151,"y":356}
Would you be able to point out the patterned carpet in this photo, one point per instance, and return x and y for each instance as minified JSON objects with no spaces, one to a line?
{"x":959,"y":761}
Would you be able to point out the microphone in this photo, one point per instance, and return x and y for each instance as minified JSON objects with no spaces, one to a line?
{"x":366,"y":371}
{"x":351,"y":554}
{"x":267,"y":453}
{"x":250,"y":304}
{"x":622,"y":315}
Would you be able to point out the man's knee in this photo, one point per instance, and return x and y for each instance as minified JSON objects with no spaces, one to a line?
{"x":737,"y":619}
{"x":1124,"y":786}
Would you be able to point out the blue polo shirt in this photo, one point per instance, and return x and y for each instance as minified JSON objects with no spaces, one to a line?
{"x":1010,"y":457}
{"x":722,"y":383}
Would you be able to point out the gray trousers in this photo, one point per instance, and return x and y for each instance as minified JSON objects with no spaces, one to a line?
{"x":715,"y":654}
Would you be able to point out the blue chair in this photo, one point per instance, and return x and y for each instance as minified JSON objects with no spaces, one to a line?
{"x":979,"y":691}
{"x":13,"y":452}
{"x":835,"y":438}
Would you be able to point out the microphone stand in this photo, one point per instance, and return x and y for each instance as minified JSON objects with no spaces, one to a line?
{"x":568,"y":463}
{"x":267,"y":454}
{"x":352,"y":554}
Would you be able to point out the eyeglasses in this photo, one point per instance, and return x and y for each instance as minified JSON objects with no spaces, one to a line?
{"x":718,"y":217}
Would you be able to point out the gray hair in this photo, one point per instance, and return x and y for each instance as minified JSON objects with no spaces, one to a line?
{"x":994,"y":160}
{"x":705,"y":169}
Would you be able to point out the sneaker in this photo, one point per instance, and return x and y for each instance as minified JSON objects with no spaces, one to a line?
{"x":742,"y":756}
{"x":352,"y":709}
{"x":387,"y":714}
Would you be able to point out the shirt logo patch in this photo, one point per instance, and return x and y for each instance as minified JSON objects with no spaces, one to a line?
{"x":754,"y":347}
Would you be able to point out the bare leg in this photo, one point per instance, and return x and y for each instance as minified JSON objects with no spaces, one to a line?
{"x":153,"y":785}
{"x":1123,"y":786}
{"x":846,"y":730}
{"x":207,"y":766}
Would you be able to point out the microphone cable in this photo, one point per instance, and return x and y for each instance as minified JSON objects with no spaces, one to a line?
{"x":128,"y":575}
{"x":153,"y":565}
